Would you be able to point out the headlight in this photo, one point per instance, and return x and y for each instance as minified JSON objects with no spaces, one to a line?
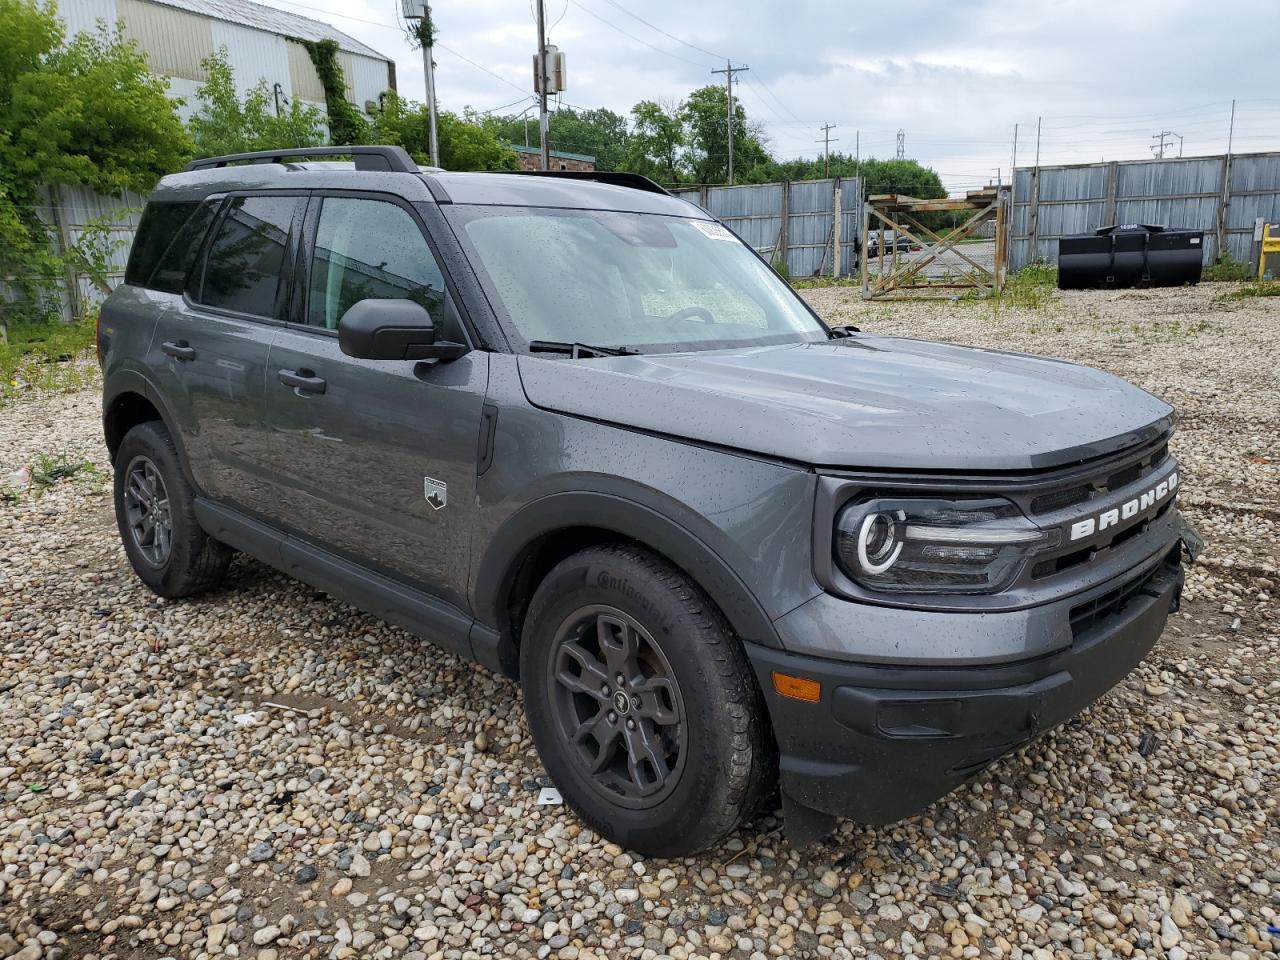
{"x":917,"y":545}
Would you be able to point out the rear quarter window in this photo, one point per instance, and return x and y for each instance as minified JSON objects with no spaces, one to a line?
{"x":167,"y":243}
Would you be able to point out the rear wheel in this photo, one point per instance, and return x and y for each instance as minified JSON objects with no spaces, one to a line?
{"x":155,"y":511}
{"x":642,"y":704}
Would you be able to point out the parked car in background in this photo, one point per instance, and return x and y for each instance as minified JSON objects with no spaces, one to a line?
{"x":886,"y":239}
{"x":571,"y":427}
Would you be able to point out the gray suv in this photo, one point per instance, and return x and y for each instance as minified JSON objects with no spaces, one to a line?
{"x":572,"y":428}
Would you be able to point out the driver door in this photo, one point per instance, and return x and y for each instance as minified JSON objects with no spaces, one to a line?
{"x":377,"y":458}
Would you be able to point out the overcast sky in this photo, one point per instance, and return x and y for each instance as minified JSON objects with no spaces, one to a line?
{"x":955,"y":76}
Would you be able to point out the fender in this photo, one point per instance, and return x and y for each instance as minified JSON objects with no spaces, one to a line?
{"x":133,"y":381}
{"x":671,"y":535}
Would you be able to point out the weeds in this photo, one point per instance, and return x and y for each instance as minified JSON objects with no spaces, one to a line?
{"x":1258,"y":288}
{"x":45,"y":472}
{"x":47,"y":357}
{"x":1226,"y":267}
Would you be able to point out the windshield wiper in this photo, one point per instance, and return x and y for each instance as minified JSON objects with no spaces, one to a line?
{"x":576,"y":350}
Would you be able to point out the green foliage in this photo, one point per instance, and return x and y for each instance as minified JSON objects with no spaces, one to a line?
{"x":599,"y":133}
{"x":707,"y":137}
{"x":1257,"y":288}
{"x":86,"y":112}
{"x":346,"y":124}
{"x":226,"y":124}
{"x":1226,"y":267}
{"x":1030,"y":288}
{"x":46,"y":356}
{"x":657,"y":141}
{"x":466,"y":142}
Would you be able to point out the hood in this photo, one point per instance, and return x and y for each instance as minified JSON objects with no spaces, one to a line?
{"x":862,"y":402}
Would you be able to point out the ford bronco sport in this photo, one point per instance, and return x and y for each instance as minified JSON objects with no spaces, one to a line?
{"x":572,"y":428}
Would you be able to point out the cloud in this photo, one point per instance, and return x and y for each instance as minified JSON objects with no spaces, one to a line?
{"x":957,"y":76}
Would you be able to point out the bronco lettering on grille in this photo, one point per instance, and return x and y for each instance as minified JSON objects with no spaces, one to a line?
{"x":1126,"y":510}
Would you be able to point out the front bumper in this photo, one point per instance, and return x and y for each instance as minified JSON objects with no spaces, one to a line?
{"x":884,"y":741}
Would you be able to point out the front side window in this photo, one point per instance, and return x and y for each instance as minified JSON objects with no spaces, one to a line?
{"x":371,"y":249}
{"x":640,"y":281}
{"x":247,"y":254}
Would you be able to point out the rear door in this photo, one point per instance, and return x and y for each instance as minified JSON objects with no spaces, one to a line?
{"x":211,"y":347}
{"x":375,"y":460}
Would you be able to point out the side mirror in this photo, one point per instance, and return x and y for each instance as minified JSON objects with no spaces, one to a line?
{"x":393,"y":330}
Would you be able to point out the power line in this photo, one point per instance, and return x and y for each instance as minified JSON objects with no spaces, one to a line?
{"x":632,"y":36}
{"x":691,"y":46}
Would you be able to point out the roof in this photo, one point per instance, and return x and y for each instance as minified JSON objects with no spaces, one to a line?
{"x":483,"y":189}
{"x":584,"y":157}
{"x":249,"y":14}
{"x":534,"y":190}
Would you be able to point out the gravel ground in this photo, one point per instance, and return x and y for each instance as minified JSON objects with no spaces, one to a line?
{"x":265,"y":772}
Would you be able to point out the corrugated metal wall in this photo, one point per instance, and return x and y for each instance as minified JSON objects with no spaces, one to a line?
{"x":174,"y":41}
{"x":755,"y":213}
{"x":1175,"y":192}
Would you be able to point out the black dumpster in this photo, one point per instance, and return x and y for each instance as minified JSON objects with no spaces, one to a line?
{"x":1130,"y":255}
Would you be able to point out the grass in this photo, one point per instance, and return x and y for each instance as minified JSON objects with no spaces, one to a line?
{"x":1258,"y":288}
{"x":51,"y":356}
{"x":1030,"y":288}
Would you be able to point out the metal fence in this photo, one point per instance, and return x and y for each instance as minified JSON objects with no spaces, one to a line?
{"x":1224,"y":196}
{"x":791,"y":224}
{"x":68,"y":213}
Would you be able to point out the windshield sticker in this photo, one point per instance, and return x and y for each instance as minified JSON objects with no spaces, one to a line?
{"x":713,"y":230}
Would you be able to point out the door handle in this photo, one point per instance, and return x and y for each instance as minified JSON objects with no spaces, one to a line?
{"x":303,"y":379}
{"x":179,"y":350}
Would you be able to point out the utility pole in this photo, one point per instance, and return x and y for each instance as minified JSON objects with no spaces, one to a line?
{"x":826,"y":129}
{"x":1160,"y":137}
{"x":728,"y":71}
{"x":428,"y":38}
{"x":425,"y":30}
{"x":543,"y":83}
{"x":902,"y":145}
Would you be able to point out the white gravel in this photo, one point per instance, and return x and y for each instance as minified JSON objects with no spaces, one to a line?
{"x":265,"y":772}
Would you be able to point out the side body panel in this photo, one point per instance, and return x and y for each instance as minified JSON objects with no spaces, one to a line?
{"x":739,"y":525}
{"x":349,"y":468}
{"x":216,"y":398}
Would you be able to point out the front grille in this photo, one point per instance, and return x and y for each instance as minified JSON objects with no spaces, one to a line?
{"x":1088,"y":616}
{"x":1108,"y":478}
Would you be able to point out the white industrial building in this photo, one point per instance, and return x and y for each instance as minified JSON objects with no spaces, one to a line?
{"x":176,"y":35}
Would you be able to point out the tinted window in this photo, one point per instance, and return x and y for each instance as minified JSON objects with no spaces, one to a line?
{"x":175,"y":263}
{"x":371,"y":249}
{"x":160,"y":224}
{"x":245,"y":259}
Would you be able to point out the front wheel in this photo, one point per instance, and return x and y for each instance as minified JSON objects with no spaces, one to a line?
{"x":642,"y":704}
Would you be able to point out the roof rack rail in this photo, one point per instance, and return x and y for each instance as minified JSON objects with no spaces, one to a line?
{"x":382,"y":157}
{"x":635,"y":181}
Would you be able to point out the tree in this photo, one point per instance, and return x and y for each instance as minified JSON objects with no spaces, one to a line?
{"x":466,"y":143}
{"x":227,"y":124}
{"x":599,"y":133}
{"x":657,"y":140}
{"x":705,"y":115}
{"x":83,"y":113}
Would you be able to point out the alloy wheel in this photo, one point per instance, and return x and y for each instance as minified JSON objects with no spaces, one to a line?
{"x":146,"y":504}
{"x":617,"y":703}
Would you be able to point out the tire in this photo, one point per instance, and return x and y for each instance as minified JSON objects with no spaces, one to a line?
{"x":676,"y":755}
{"x":172,"y":555}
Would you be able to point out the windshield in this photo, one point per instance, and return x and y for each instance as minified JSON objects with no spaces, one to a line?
{"x":640,"y":281}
